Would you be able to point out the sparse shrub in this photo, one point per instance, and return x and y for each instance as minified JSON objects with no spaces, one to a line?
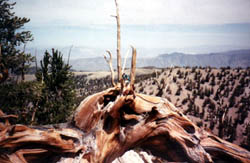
{"x":212,"y":83}
{"x":207,"y":92}
{"x":141,"y":89}
{"x":212,"y":124}
{"x":189,"y":85}
{"x":184,"y":101}
{"x":169,"y":90}
{"x":207,"y":77}
{"x":211,"y":105}
{"x":243,"y":115}
{"x":199,"y":123}
{"x":174,"y":79}
{"x":178,"y":92}
{"x":186,"y":74}
{"x":162,"y":81}
{"x":202,"y":113}
{"x":226,"y":92}
{"x":219,"y":76}
{"x":194,"y":93}
{"x":181,"y":75}
{"x":201,"y":93}
{"x":206,"y":101}
{"x":190,"y":108}
{"x":202,"y":80}
{"x":216,"y":97}
{"x":238,"y":90}
{"x":168,"y":98}
{"x":178,"y":72}
{"x":193,"y":69}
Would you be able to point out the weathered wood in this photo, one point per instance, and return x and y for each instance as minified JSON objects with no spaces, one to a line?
{"x":119,"y":68}
{"x":109,"y":61}
{"x":19,"y":143}
{"x":133,"y":67}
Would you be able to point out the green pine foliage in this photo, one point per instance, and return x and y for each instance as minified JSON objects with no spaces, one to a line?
{"x":20,"y":99}
{"x":12,"y":37}
{"x":58,"y":94}
{"x":50,"y":99}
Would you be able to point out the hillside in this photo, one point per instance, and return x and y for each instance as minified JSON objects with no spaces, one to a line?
{"x":236,"y":58}
{"x":216,"y":99}
{"x":88,"y":83}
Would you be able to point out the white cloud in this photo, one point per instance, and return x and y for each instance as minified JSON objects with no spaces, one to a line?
{"x":87,"y":12}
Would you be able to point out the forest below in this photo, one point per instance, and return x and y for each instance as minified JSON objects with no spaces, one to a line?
{"x":217,"y":99}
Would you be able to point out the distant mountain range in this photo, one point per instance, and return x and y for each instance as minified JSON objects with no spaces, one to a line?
{"x":236,"y":58}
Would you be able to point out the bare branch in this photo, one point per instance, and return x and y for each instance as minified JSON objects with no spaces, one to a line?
{"x":118,"y":41}
{"x":133,"y":66}
{"x":69,"y":53}
{"x":109,"y":61}
{"x":125,"y":61}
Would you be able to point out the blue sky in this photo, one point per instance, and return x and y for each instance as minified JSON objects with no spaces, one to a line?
{"x":165,"y":25}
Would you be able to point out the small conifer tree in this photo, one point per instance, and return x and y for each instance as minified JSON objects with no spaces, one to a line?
{"x":58,"y":95}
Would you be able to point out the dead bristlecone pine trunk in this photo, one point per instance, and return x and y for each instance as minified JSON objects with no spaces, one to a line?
{"x":111,"y":122}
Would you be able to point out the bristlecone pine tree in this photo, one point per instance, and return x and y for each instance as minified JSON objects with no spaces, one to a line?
{"x":58,"y":95}
{"x":12,"y":37}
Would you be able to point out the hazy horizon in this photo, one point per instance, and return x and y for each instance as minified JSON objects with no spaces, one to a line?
{"x":153,"y":27}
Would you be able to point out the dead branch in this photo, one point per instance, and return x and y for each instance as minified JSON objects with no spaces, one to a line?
{"x":133,"y":67}
{"x":69,"y":53}
{"x":109,"y":61}
{"x":119,"y":69}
